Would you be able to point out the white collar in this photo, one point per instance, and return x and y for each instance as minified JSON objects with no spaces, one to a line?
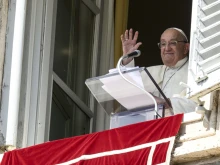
{"x":179,"y":63}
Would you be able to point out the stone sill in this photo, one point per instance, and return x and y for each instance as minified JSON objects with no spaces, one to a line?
{"x":191,"y":117}
{"x":197,"y":149}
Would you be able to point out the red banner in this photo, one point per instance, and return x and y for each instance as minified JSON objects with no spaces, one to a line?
{"x":143,"y":143}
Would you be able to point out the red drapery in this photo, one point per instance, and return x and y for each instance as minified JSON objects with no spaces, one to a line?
{"x":144,"y":143}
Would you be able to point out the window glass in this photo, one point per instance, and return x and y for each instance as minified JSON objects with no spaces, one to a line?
{"x":72,"y":64}
{"x":73,"y":45}
{"x":67,"y":119}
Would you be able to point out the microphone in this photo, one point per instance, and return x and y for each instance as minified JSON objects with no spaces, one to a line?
{"x":135,"y":53}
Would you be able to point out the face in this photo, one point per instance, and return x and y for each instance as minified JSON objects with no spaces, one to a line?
{"x":170,"y":53}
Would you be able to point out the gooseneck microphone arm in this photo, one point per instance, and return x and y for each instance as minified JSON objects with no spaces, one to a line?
{"x":136,"y":53}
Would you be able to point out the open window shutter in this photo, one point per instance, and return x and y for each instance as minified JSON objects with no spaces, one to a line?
{"x":204,"y":61}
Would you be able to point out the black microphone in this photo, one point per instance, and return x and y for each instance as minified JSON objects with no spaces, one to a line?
{"x":135,"y":53}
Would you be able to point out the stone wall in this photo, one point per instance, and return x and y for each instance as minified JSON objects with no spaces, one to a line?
{"x":199,"y":140}
{"x":3,"y":24}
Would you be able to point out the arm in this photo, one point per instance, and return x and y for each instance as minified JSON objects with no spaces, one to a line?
{"x":182,"y":105}
{"x":129,"y":44}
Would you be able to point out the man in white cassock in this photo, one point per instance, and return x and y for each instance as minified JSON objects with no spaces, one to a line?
{"x":174,"y":48}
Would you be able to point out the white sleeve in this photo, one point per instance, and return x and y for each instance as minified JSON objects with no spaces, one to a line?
{"x":182,"y":105}
{"x":130,"y":64}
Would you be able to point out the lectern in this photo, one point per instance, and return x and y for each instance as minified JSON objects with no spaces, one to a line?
{"x":122,"y":101}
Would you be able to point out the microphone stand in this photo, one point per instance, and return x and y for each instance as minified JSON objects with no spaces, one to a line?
{"x":155,"y":103}
{"x":161,"y":92}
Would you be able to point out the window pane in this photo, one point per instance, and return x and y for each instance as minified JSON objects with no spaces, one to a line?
{"x":85,"y":43}
{"x":62,"y":52}
{"x":66,"y":118}
{"x":73,"y":45}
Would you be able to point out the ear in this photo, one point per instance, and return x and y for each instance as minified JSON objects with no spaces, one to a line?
{"x":186,"y":48}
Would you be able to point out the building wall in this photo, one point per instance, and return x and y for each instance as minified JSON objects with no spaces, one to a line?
{"x":197,"y":144}
{"x":3,"y":23}
{"x":199,"y":141}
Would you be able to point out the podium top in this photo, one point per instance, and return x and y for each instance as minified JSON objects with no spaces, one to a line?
{"x":115,"y":94}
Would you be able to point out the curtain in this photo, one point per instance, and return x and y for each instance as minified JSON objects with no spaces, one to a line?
{"x":121,"y":16}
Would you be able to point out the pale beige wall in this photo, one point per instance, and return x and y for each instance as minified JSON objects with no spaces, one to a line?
{"x":3,"y":23}
{"x":198,"y":142}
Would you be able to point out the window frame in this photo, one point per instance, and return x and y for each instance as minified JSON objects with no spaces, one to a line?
{"x":37,"y":68}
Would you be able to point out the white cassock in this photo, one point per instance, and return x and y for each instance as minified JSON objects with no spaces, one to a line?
{"x":168,"y":79}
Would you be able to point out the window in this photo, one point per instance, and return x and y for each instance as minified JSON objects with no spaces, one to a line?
{"x":204,"y":66}
{"x":63,"y":44}
{"x":74,"y":38}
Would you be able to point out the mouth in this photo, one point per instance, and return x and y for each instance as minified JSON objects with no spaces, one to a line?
{"x":168,"y":54}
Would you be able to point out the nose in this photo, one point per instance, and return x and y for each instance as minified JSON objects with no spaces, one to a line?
{"x":167,"y":47}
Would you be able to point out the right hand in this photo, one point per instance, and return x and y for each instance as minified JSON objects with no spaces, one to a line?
{"x":129,"y":44}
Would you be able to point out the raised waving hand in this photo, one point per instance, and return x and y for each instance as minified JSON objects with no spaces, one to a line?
{"x":129,"y":43}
